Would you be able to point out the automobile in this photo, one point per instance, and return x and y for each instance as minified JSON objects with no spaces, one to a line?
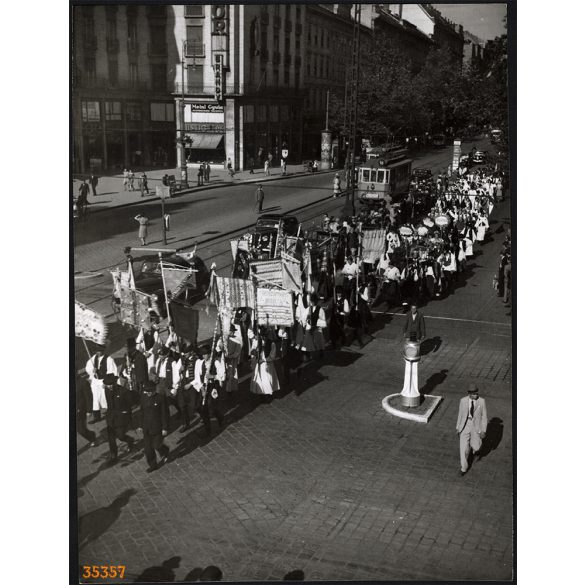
{"x":438,"y":140}
{"x":275,"y":221}
{"x":422,"y":173}
{"x":479,"y":157}
{"x":148,"y":277}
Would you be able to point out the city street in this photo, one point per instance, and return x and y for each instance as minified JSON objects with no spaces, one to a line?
{"x":321,"y":479}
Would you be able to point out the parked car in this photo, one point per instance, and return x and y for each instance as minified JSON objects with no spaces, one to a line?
{"x":275,"y":221}
{"x":479,"y":157}
{"x":422,"y":173}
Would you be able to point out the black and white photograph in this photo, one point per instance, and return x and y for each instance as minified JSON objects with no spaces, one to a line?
{"x":293,"y":292}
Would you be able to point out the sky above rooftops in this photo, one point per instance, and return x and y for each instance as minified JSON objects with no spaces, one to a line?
{"x":482,"y":20}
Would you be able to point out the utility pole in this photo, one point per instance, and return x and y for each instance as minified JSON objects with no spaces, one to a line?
{"x":184,"y":177}
{"x":349,"y":207}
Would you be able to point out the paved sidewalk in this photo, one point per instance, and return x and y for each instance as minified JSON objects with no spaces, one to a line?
{"x":111,"y":193}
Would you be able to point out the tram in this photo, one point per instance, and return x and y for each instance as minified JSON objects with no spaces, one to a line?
{"x":386,"y":178}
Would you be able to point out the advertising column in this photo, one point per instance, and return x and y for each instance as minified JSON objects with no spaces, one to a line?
{"x":325,"y":150}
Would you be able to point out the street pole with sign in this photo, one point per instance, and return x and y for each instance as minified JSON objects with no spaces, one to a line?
{"x":184,"y":177}
{"x":163,"y":193}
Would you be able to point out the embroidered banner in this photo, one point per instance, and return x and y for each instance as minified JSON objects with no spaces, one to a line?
{"x":274,"y":307}
{"x":89,"y":324}
{"x":291,"y":275}
{"x":134,"y":306}
{"x":186,"y":321}
{"x":267,"y":272}
{"x":177,"y":280}
{"x":233,"y":293}
{"x":373,"y":245}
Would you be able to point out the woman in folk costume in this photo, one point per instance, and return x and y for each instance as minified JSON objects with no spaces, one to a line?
{"x":232,"y":358}
{"x":468,"y":234}
{"x":313,"y":339}
{"x":265,"y":380}
{"x":338,"y":317}
{"x":301,"y":317}
{"x":482,"y":225}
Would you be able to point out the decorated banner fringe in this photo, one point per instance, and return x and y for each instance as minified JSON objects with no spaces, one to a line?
{"x":233,"y":293}
{"x":89,"y":324}
{"x":373,"y":245}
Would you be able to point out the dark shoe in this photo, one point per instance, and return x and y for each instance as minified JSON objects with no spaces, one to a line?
{"x":151,"y":469}
{"x":462,"y":473}
{"x":164,"y":459}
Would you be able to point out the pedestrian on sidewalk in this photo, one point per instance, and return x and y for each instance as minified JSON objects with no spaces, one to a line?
{"x":251,"y":164}
{"x":200,"y":174}
{"x":267,"y":168}
{"x":207,"y":172}
{"x":154,"y":417}
{"x":259,"y":199}
{"x":82,"y":201}
{"x":283,"y":166}
{"x":126,"y":180}
{"x":471,"y":426}
{"x":142,"y":230}
{"x":118,"y":415}
{"x":414,"y":327}
{"x":336,"y":186}
{"x":93,"y":181}
{"x":143,"y":185}
{"x":131,"y":180}
{"x":230,"y":168}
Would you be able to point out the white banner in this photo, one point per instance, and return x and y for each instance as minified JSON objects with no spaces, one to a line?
{"x":274,"y":307}
{"x":89,"y":324}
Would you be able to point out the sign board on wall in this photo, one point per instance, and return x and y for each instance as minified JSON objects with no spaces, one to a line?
{"x":218,"y":73}
{"x":207,"y":108}
{"x":219,"y":19}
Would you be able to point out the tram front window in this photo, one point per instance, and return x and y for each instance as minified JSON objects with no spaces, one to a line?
{"x":366,"y":175}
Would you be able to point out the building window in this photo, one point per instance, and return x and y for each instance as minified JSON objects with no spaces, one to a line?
{"x":287,"y":45}
{"x":194,"y":41}
{"x":273,"y":113}
{"x":275,"y":77}
{"x":248,"y":113}
{"x":159,"y":77}
{"x":284,"y":113}
{"x":275,"y":42}
{"x":162,"y":112}
{"x":261,"y":113}
{"x":133,"y":71}
{"x":194,"y":11}
{"x":297,"y":78}
{"x":90,"y":111}
{"x":89,"y":69}
{"x":133,"y":112}
{"x":287,"y":77}
{"x":113,"y":73}
{"x":132,"y":34}
{"x":112,"y":111}
{"x":298,"y":12}
{"x":158,"y":41}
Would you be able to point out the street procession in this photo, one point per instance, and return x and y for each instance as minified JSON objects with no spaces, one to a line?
{"x":289,"y":298}
{"x":292,"y":292}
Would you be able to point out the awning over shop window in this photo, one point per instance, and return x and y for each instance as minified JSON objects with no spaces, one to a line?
{"x":205,"y":141}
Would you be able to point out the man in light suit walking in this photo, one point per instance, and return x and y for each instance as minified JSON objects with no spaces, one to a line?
{"x":471,"y":425}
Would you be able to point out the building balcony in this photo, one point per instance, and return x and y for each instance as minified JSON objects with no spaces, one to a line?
{"x":194,"y":49}
{"x":112,"y":45}
{"x":277,"y":23}
{"x":103,"y":83}
{"x":157,"y":50}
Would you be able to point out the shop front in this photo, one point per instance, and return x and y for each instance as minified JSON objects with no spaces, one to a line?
{"x":205,"y":127}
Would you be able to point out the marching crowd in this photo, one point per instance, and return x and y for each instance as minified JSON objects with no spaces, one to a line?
{"x":429,"y":238}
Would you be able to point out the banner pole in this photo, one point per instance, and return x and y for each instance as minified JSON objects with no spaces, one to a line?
{"x":164,"y":287}
{"x":86,"y":348}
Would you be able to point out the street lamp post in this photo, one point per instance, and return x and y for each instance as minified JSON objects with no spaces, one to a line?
{"x":182,"y":141}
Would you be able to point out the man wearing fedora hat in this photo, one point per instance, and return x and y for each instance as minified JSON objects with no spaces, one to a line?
{"x":118,"y":415}
{"x":471,"y":425}
{"x":154,"y":422}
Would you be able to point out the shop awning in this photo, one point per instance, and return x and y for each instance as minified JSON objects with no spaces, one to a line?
{"x":205,"y":141}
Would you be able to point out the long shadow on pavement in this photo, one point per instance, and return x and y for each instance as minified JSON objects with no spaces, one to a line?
{"x":433,"y":381}
{"x":93,"y":524}
{"x":164,"y":572}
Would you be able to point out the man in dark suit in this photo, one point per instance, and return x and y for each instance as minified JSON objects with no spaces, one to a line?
{"x":93,"y":181}
{"x":414,"y":327}
{"x":137,"y":367}
{"x":83,"y":402}
{"x":118,"y":415}
{"x":471,"y":425}
{"x":154,"y":417}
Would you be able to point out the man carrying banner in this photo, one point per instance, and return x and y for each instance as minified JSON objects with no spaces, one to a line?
{"x":97,"y":367}
{"x":186,"y":394}
{"x":136,"y":368}
{"x":232,"y":358}
{"x":83,"y":400}
{"x":213,"y":375}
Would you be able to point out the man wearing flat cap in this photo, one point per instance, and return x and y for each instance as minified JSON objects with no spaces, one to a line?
{"x":471,"y":425}
{"x":118,"y":415}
